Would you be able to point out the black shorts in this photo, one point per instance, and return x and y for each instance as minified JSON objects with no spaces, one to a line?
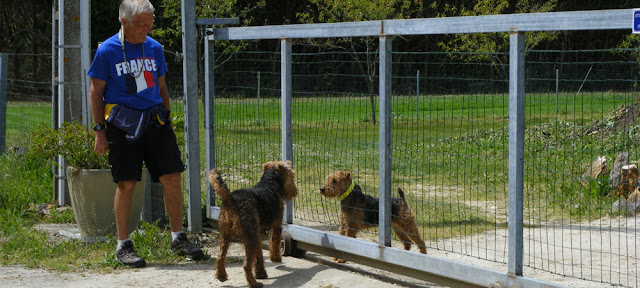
{"x":158,"y":149}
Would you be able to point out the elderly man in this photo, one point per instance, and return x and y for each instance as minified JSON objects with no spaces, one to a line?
{"x":131,"y":111}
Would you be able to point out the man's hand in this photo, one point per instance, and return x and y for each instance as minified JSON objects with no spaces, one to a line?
{"x":101,"y":145}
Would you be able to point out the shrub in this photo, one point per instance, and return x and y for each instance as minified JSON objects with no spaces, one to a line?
{"x":73,"y":141}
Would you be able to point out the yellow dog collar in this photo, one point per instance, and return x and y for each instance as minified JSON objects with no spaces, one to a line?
{"x":346,"y":193}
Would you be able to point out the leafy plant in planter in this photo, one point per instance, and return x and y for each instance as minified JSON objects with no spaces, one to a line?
{"x":89,"y":179}
{"x":73,"y":141}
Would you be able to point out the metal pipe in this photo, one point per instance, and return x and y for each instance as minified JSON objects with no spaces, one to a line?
{"x":516,"y":152}
{"x":384,"y":148}
{"x":258,"y":99}
{"x":557,"y":80}
{"x":53,"y":63}
{"x":62,"y":188}
{"x":285,"y":102}
{"x":192,"y":135}
{"x":524,"y":22}
{"x":4,"y":63}
{"x":418,"y":94}
{"x":209,"y":117}
{"x":85,"y":59}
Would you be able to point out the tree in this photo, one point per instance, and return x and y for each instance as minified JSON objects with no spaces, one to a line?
{"x":493,"y":42}
{"x":104,"y":20}
{"x":329,"y":11}
{"x":26,"y":33}
{"x":632,"y":41}
{"x":170,"y":29}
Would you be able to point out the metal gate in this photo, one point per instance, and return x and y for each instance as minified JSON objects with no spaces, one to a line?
{"x":381,"y":254}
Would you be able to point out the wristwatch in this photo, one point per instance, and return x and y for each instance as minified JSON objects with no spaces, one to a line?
{"x":98,"y":127}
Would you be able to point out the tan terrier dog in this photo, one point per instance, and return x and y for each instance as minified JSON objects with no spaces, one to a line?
{"x":247,"y":212}
{"x":359,"y":211}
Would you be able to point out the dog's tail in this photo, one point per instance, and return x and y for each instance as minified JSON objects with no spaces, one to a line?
{"x":400,"y":192}
{"x":219,"y":186}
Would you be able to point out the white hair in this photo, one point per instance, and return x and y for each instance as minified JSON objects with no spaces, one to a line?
{"x":131,"y":8}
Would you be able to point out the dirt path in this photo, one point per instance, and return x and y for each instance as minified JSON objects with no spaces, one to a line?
{"x":582,"y":250}
{"x":292,"y":272}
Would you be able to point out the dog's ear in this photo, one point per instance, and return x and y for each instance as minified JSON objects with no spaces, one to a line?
{"x":288,"y":164}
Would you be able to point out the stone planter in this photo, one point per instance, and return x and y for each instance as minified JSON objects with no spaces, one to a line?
{"x":92,"y":192}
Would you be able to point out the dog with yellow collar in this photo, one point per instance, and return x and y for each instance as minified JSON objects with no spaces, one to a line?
{"x":359,"y":211}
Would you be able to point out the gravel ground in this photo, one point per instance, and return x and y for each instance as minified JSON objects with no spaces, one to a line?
{"x":316,"y":270}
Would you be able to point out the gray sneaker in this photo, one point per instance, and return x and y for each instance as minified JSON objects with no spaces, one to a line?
{"x":128,"y":257}
{"x":183,"y":247}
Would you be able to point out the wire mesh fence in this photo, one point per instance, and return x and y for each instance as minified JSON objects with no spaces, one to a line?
{"x":450,"y":136}
{"x":29,"y":101}
{"x":577,"y":224}
{"x":450,"y":119}
{"x":28,"y":95}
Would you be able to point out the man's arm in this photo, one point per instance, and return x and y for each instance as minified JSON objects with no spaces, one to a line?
{"x":164,"y":93}
{"x":97,"y":113}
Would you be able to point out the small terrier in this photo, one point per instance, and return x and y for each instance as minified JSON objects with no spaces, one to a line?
{"x":359,"y":211}
{"x":249,"y":211}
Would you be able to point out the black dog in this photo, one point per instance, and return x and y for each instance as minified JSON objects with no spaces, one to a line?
{"x":247,"y":212}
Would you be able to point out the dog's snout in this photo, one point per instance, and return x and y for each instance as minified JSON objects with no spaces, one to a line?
{"x":321,"y":189}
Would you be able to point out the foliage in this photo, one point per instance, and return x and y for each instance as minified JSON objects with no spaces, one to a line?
{"x":26,"y":246}
{"x":632,"y":41}
{"x":154,"y":243}
{"x":492,"y":42}
{"x":73,"y":141}
{"x":25,"y":180}
{"x":105,"y":14}
{"x":28,"y":22}
{"x":328,"y":11}
{"x":25,"y":33}
{"x":169,"y":29}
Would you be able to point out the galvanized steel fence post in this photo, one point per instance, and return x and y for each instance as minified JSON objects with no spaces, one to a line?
{"x":4,"y":63}
{"x":516,"y":151}
{"x":209,"y":116}
{"x":192,"y":135}
{"x":384,"y":148}
{"x":286,"y":93}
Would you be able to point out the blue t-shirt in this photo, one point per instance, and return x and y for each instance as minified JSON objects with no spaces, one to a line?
{"x":134,"y":82}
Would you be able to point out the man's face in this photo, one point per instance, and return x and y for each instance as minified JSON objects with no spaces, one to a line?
{"x":136,"y":31}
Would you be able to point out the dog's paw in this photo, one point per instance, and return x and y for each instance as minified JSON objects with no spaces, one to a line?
{"x":340,"y":260}
{"x":276,"y":258}
{"x":262,"y":275}
{"x":221,"y":276}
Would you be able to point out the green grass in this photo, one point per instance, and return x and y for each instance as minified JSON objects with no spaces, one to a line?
{"x":24,"y":116}
{"x":454,"y":147}
{"x":450,"y":156}
{"x":27,"y":181}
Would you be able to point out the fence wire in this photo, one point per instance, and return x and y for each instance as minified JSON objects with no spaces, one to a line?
{"x":28,"y":96}
{"x":450,"y":147}
{"x":450,"y":136}
{"x":576,"y":224}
